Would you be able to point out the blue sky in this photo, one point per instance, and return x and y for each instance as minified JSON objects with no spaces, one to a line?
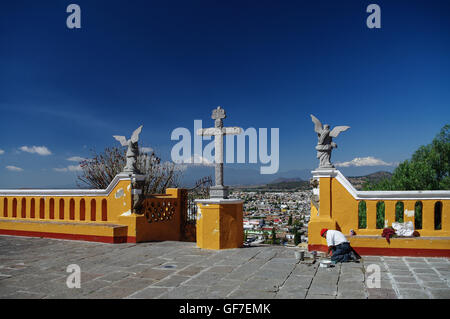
{"x":270,"y":64}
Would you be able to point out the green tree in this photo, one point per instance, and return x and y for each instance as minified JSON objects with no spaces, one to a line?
{"x":399,"y":212}
{"x":428,"y":168}
{"x":362,"y":215}
{"x":297,"y":238}
{"x":380,"y":215}
{"x":274,"y":236}
{"x":290,"y":220}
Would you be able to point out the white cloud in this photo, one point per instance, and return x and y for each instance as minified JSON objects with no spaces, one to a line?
{"x":41,"y":150}
{"x":14,"y":168}
{"x":76,"y":159}
{"x":70,"y":168}
{"x":364,"y":161}
{"x":2,"y":152}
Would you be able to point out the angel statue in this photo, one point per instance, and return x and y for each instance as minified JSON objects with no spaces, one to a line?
{"x":325,"y":142}
{"x":132,"y":151}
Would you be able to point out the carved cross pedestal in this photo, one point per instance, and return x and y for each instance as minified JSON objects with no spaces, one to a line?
{"x":218,"y":131}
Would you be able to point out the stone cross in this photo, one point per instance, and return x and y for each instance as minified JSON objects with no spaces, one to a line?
{"x":218,"y":131}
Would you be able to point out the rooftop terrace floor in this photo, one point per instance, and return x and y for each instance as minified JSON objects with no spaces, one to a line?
{"x":36,"y":268}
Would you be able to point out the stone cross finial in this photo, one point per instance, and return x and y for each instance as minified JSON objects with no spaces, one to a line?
{"x":218,"y":115}
{"x":218,"y":131}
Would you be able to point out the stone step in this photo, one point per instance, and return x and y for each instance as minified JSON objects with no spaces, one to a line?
{"x":72,"y":230}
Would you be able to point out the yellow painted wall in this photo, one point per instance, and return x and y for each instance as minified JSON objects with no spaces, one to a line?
{"x":338,"y":209}
{"x":220,"y":226}
{"x":136,"y":227}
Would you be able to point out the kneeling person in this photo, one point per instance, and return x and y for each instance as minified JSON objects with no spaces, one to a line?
{"x":336,"y":242}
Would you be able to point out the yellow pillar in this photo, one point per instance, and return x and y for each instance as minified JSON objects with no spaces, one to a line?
{"x":325,"y":197}
{"x":409,"y":211}
{"x":428,"y":215}
{"x":389,"y":212}
{"x":325,"y":217}
{"x":220,"y":223}
{"x":371,"y":213}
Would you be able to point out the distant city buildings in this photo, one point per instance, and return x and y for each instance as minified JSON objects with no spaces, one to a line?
{"x":282,"y":213}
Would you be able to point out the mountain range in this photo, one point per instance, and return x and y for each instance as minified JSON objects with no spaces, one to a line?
{"x":238,"y":177}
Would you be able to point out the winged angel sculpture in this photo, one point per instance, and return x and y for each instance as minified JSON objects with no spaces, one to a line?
{"x":132,"y":151}
{"x":325,"y":142}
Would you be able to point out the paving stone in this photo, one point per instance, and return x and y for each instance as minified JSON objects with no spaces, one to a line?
{"x":301,"y":269}
{"x":426,"y":277}
{"x":427,"y":271}
{"x":298,"y":281}
{"x":205,"y":279}
{"x":219,"y":291}
{"x":111,"y":293}
{"x":115,"y":276}
{"x":8,"y":290}
{"x":398,"y":267}
{"x":274,"y":274}
{"x":440,"y":293}
{"x":90,"y":286}
{"x":313,"y":296}
{"x":221,"y":269}
{"x":372,"y":258}
{"x":418,"y":264}
{"x":172,"y":281}
{"x":190,"y":271}
{"x":352,"y":295}
{"x":261,"y":284}
{"x":381,"y":293}
{"x":413,"y":294}
{"x":246,"y":294}
{"x":405,"y":279}
{"x":88,"y":276}
{"x":350,"y":285}
{"x":246,"y":270}
{"x":354,"y":277}
{"x":148,"y":293}
{"x":133,"y":282}
{"x":414,"y":259}
{"x":443,"y":265}
{"x":285,"y":261}
{"x":184,"y":291}
{"x":36,"y":267}
{"x":401,"y":273}
{"x":401,"y":285}
{"x":291,"y":293}
{"x":156,"y":274}
{"x":381,"y":265}
{"x":323,"y":288}
{"x":436,"y":284}
{"x":24,"y":295}
{"x":330,"y":278}
{"x":384,"y":284}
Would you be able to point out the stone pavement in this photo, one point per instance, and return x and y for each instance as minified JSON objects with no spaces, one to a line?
{"x":37,"y":268}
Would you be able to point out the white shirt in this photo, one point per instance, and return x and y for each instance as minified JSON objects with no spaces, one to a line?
{"x":335,"y":237}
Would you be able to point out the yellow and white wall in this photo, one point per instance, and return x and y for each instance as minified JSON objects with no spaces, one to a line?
{"x":338,"y":209}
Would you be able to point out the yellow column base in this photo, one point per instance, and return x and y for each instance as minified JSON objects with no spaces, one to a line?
{"x":220,"y":223}
{"x":315,"y":225}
